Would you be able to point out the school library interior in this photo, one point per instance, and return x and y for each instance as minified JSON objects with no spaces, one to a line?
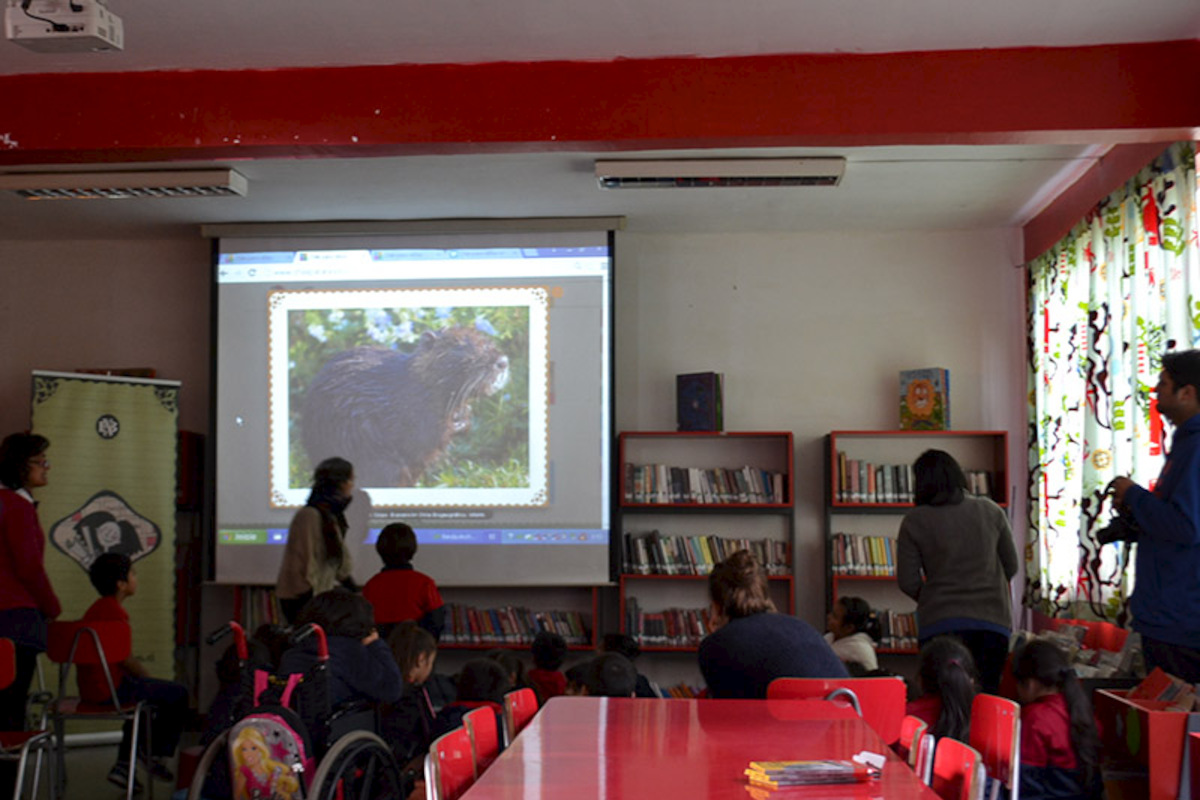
{"x":452,"y":392}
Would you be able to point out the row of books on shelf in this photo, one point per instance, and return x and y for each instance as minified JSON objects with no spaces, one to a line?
{"x":898,"y":629}
{"x":660,"y":483}
{"x":857,"y":554}
{"x":654,"y":554}
{"x":671,"y":627}
{"x":861,"y":481}
{"x":511,"y":625}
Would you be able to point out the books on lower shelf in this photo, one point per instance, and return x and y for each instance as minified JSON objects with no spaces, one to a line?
{"x":511,"y":625}
{"x":652,"y":553}
{"x":671,"y":627}
{"x":258,"y":606}
{"x":856,"y":554}
{"x":664,"y":484}
{"x":860,"y":481}
{"x":898,"y":629}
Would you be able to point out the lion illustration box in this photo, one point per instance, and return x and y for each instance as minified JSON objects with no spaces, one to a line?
{"x":925,"y":399}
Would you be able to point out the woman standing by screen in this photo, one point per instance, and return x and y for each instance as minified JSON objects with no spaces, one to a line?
{"x":27,"y":599}
{"x":956,"y":558}
{"x":316,"y":559}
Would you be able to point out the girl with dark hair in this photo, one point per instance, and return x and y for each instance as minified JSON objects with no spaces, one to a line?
{"x":1060,"y":747}
{"x":315,"y":558}
{"x":27,"y":600}
{"x":853,"y":633}
{"x":750,"y":644}
{"x":955,"y":557}
{"x":948,"y":687}
{"x":407,"y":724}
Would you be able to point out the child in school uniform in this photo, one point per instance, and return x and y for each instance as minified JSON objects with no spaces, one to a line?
{"x":608,"y":675}
{"x":549,"y":652}
{"x":407,"y":725}
{"x":853,"y":633}
{"x":399,"y":592}
{"x":115,"y":578}
{"x":1060,"y":746}
{"x":949,"y":684}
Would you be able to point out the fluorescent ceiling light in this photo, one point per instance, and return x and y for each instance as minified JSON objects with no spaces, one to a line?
{"x":122,"y":185}
{"x":719,"y":173}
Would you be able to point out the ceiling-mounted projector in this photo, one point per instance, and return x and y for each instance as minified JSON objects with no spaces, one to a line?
{"x":63,"y":26}
{"x":695,"y":173}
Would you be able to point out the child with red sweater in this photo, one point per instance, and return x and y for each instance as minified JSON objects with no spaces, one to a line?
{"x":948,"y":686}
{"x":115,"y":579}
{"x":549,"y":653}
{"x":481,"y":684}
{"x":399,"y":592}
{"x":1060,"y":746}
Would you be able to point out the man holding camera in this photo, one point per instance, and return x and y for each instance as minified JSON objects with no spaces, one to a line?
{"x":1166,"y":595}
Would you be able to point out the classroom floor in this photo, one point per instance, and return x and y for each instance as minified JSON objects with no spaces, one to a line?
{"x":87,"y":776}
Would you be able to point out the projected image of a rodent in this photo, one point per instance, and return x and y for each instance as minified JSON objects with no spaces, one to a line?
{"x":412,"y":396}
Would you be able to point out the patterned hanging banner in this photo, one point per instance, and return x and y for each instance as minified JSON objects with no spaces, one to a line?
{"x":112,"y":489}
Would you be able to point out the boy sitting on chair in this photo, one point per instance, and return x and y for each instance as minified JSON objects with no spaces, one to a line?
{"x":115,"y":579}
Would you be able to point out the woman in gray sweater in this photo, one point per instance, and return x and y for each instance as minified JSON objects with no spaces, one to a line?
{"x":956,"y":558}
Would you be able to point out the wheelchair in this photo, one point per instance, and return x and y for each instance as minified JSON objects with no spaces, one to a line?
{"x":351,"y":760}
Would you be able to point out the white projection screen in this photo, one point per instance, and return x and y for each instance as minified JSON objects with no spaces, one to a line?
{"x":467,"y":378}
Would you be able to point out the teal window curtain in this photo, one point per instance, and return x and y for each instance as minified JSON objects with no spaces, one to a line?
{"x":1104,"y":304}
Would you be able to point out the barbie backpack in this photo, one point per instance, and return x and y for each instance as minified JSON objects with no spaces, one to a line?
{"x":270,"y":750}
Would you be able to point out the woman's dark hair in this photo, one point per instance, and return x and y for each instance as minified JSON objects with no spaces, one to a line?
{"x":549,"y":650}
{"x":939,"y":479}
{"x":481,"y":680}
{"x":409,"y":641}
{"x":396,"y":545}
{"x":1046,"y":663}
{"x":858,"y":612}
{"x":738,"y":586}
{"x":15,"y":452}
{"x":326,"y":496}
{"x":947,"y":670}
{"x":340,"y":612}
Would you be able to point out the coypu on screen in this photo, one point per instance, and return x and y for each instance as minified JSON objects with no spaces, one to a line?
{"x":392,"y":414}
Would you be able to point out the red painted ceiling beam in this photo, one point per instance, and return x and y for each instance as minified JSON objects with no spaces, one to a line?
{"x":1113,"y":93}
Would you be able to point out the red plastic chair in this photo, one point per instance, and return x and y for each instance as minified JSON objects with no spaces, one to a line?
{"x":957,"y":771}
{"x":450,"y":766}
{"x":880,"y":700}
{"x":18,"y":745}
{"x":97,"y":643}
{"x":912,"y":731}
{"x":485,"y":737}
{"x":996,"y":734}
{"x":520,"y":706}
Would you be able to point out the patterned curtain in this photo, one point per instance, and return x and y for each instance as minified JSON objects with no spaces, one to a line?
{"x":1104,"y":304}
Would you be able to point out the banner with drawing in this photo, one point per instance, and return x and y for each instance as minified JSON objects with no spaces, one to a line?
{"x":112,"y":489}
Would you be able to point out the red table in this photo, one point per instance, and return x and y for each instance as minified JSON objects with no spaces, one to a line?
{"x":581,"y":747}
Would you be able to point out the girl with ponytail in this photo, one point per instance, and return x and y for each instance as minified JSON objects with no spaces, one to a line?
{"x":949,"y":684}
{"x":1060,"y":746}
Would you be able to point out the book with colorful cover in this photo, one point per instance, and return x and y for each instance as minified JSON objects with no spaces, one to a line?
{"x":775,"y":774}
{"x":925,"y":399}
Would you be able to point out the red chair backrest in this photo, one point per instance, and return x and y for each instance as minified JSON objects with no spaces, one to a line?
{"x":882,"y":700}
{"x":955,"y":770}
{"x":485,"y":737}
{"x":8,"y":663}
{"x":455,"y":763}
{"x":995,"y":733}
{"x":520,"y":706}
{"x":911,"y":730}
{"x":71,"y":642}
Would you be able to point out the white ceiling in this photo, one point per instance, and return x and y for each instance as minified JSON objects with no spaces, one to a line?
{"x":888,"y":187}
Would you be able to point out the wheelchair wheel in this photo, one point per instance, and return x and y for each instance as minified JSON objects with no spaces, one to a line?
{"x":215,"y":750}
{"x":359,"y":766}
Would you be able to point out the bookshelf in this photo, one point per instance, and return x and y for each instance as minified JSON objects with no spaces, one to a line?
{"x":685,"y":501}
{"x":867,"y":492}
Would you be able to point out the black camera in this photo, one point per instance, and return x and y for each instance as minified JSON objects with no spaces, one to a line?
{"x":1121,"y":528}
